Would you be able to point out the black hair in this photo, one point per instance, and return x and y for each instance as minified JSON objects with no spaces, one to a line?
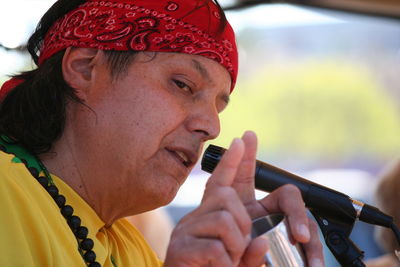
{"x":33,"y":114}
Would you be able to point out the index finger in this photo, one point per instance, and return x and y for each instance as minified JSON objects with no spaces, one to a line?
{"x":226,"y":169}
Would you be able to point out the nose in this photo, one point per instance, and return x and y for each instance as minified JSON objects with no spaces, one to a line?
{"x":204,"y":120}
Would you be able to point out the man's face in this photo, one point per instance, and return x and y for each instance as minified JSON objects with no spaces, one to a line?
{"x":149,"y":125}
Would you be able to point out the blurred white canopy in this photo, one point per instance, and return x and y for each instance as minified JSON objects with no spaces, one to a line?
{"x":386,"y":8}
{"x":19,"y":17}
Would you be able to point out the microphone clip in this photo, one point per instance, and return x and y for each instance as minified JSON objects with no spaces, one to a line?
{"x":336,"y":235}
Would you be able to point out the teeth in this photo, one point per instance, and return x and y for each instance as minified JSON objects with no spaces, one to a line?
{"x":182,"y":156}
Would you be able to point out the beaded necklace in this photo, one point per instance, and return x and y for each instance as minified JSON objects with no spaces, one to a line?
{"x":41,"y":174}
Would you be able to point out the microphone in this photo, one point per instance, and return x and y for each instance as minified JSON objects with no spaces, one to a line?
{"x":322,"y":200}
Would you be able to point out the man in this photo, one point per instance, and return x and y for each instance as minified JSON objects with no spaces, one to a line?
{"x":110,"y":125}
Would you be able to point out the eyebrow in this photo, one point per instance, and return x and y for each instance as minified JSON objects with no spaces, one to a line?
{"x":201,"y":69}
{"x":204,"y":73}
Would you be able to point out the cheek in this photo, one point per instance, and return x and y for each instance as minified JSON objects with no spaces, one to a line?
{"x":145,"y":119}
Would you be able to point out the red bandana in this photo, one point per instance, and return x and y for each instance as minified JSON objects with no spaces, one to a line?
{"x":183,"y":26}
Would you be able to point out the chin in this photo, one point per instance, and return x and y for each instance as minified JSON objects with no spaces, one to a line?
{"x":163,"y":194}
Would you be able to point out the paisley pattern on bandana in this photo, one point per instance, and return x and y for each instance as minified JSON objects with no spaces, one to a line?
{"x":146,"y":25}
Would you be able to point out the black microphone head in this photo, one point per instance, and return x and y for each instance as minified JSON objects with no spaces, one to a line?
{"x":211,"y":157}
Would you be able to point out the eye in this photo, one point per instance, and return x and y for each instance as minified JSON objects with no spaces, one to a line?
{"x":183,"y":86}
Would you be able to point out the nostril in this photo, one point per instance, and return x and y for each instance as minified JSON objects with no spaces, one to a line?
{"x":203,"y":132}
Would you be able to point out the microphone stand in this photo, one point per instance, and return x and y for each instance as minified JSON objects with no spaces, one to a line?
{"x":334,"y":212}
{"x":336,"y":234}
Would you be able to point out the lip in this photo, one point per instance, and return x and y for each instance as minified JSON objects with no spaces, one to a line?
{"x":190,"y":155}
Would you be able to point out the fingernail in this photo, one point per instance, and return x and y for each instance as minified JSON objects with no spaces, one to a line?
{"x":234,"y":141}
{"x":303,"y":230}
{"x":316,"y":263}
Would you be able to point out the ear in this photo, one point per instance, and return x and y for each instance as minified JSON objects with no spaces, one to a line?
{"x":79,"y":67}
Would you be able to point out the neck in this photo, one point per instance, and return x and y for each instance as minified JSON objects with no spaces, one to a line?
{"x":81,"y":159}
{"x":75,"y":169}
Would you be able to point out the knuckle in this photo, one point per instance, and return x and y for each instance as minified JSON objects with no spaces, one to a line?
{"x":290,"y":194}
{"x":247,"y":224}
{"x":237,"y":250}
{"x":225,"y":193}
{"x":225,"y":218}
{"x":291,"y":190}
{"x":227,"y":224}
{"x":216,"y":249}
{"x":246,"y":178}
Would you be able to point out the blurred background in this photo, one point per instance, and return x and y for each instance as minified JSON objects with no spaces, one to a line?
{"x":320,"y":87}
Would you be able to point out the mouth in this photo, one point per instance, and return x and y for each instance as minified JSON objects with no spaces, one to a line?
{"x":185,"y":157}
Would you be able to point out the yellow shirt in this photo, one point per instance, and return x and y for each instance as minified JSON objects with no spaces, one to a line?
{"x":34,"y":233}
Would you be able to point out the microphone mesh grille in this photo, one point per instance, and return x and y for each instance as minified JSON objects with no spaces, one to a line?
{"x":211,"y":157}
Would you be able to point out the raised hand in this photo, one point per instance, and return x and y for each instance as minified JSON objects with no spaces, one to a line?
{"x":286,"y":199}
{"x":217,"y":233}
